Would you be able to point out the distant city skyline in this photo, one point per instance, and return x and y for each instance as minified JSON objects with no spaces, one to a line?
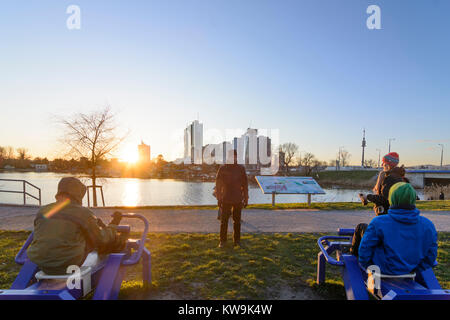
{"x":311,"y":69}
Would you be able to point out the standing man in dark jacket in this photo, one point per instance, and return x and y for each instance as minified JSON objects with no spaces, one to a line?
{"x":232,"y":195}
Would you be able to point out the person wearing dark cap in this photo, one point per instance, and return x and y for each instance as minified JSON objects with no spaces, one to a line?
{"x":401,"y":241}
{"x":65,"y":232}
{"x":232,"y":196}
{"x":390,"y":175}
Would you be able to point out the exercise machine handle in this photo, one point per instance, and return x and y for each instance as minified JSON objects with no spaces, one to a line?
{"x":136,"y":256}
{"x":325,"y":253}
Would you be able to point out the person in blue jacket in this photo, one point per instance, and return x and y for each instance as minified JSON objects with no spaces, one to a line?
{"x":402,"y":241}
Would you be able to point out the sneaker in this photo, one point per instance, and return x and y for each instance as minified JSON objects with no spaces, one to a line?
{"x":221,"y":245}
{"x":363,"y":199}
{"x":238,"y":245}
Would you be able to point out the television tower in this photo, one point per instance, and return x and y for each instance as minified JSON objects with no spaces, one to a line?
{"x":363,"y":146}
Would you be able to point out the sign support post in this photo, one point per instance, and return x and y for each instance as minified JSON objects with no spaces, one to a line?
{"x":273,"y":199}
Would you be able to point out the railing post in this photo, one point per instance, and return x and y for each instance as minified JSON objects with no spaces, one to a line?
{"x":24,"y":194}
{"x":40,"y":197}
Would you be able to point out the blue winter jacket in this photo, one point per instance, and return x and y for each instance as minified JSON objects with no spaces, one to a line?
{"x":399,"y":242}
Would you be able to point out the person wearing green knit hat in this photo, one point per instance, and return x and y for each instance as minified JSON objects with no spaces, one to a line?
{"x":401,"y":241}
{"x":402,"y":195}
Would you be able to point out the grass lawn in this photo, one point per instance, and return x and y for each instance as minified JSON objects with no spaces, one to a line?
{"x":189,"y":266}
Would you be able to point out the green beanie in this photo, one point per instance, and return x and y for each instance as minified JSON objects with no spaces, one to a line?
{"x":402,"y":194}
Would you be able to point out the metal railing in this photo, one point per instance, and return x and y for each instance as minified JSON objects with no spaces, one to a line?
{"x":24,"y":190}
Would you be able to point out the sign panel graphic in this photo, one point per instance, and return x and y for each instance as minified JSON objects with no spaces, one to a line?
{"x":288,"y":185}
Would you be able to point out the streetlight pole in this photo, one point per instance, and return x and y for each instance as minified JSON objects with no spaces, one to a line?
{"x":391,"y":139}
{"x":442,"y":153}
{"x":379,"y":154}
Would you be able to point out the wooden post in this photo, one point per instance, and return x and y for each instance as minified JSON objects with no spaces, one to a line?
{"x":103,"y":198}
{"x":309,"y":199}
{"x":273,"y":199}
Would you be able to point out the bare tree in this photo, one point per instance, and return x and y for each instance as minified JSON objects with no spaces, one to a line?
{"x":307,"y":159}
{"x":92,"y":136}
{"x":370,"y":163}
{"x":290,"y":151}
{"x":344,"y":156}
{"x":310,"y":164}
{"x":9,"y":152}
{"x":22,"y":153}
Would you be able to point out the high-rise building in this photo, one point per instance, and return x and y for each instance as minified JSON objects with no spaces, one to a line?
{"x":144,"y":152}
{"x":193,"y":143}
{"x":248,"y":149}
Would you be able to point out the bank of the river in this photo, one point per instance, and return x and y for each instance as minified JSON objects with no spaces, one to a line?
{"x":349,"y":179}
{"x":435,"y":205}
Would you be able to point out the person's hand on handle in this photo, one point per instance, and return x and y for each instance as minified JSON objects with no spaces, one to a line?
{"x":117,"y":217}
{"x":245,"y":202}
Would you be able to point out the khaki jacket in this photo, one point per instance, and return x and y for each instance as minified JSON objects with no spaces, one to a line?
{"x":64,"y":237}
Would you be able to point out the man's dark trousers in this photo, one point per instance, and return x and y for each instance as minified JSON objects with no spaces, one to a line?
{"x":233,"y":210}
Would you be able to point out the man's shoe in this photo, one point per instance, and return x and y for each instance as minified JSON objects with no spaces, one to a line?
{"x":221,"y":245}
{"x":363,"y":199}
{"x":237,"y":244}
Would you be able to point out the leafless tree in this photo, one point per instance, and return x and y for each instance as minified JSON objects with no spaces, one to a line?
{"x":9,"y":152}
{"x":310,"y":164}
{"x":370,"y":163}
{"x":93,"y":136}
{"x":290,"y":151}
{"x":344,"y":156}
{"x":22,"y":153}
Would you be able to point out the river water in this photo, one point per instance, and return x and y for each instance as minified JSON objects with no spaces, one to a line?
{"x":141,"y":192}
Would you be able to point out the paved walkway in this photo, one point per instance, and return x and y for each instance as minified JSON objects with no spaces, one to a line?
{"x":254,"y":220}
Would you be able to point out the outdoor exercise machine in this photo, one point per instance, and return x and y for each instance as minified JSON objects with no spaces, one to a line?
{"x":359,"y":282}
{"x":103,"y":277}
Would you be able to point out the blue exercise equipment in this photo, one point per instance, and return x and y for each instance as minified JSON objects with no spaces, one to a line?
{"x":359,"y":282}
{"x":102,"y":277}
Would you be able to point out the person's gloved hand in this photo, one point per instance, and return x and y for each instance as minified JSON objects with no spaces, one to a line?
{"x":117,"y":217}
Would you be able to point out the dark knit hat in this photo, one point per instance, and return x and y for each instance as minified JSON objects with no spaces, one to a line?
{"x":72,"y":187}
{"x":402,"y":194}
{"x":391,"y":159}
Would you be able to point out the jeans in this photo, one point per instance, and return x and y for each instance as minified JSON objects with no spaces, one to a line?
{"x":357,"y":237}
{"x":228,"y":210}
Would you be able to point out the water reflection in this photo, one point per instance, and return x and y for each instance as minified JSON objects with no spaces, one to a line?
{"x":140,"y":192}
{"x":131,"y":192}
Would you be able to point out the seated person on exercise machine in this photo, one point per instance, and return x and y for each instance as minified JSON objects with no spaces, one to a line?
{"x":401,"y":241}
{"x":390,"y":175}
{"x":65,"y":232}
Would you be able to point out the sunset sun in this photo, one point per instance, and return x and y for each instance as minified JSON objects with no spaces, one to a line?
{"x":130,"y":155}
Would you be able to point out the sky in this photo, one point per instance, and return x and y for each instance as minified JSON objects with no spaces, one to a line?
{"x":308,"y":68}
